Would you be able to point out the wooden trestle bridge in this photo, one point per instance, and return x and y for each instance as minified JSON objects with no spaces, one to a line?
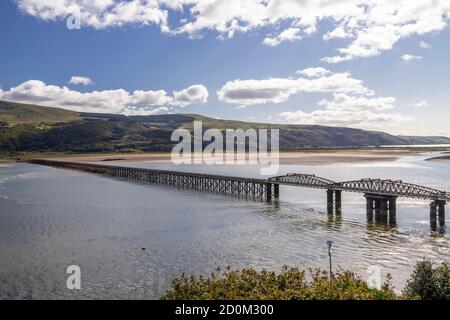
{"x":381,"y":195}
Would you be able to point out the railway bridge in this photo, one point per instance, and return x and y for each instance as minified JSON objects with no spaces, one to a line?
{"x":381,"y":195}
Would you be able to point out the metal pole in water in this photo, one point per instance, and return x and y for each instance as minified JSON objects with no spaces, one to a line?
{"x":330,"y":243}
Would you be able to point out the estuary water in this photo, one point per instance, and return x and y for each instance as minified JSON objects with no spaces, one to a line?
{"x":130,"y":239}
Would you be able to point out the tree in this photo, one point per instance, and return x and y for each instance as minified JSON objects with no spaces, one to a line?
{"x":429,"y":283}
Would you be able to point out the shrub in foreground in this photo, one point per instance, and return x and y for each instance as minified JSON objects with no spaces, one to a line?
{"x":290,"y":283}
{"x":428,"y":282}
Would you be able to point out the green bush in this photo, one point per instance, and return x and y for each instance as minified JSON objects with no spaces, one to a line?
{"x":429,"y":283}
{"x":290,"y":283}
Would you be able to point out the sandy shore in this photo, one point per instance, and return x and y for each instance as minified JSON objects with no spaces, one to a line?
{"x":286,"y":158}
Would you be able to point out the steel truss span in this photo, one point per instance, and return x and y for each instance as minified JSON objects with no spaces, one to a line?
{"x":374,"y":186}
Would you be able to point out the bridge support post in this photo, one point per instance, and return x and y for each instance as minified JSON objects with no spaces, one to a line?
{"x":392,"y":205}
{"x":383,"y":213}
{"x":269,"y":192}
{"x":441,"y":212}
{"x":276,"y":190}
{"x":377,"y":207}
{"x":437,"y":213}
{"x":369,"y":208}
{"x":334,"y":201}
{"x":338,"y":201}
{"x":433,"y":214}
{"x":392,"y":210}
{"x":385,"y":208}
{"x":330,"y":201}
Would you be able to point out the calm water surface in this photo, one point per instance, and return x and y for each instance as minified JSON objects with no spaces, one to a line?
{"x":52,"y":218}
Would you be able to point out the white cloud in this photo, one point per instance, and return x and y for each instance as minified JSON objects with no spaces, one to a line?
{"x":277,"y":90}
{"x":99,"y":14}
{"x":135,"y":111}
{"x":149,"y":98}
{"x":369,"y":42}
{"x":290,"y":35}
{"x":421,"y":104}
{"x":195,"y":94}
{"x":249,"y":92}
{"x":424,"y":45}
{"x":344,"y":118}
{"x":314,"y":72}
{"x":410,"y":57}
{"x":371,"y":26}
{"x":78,"y":80}
{"x":345,"y":102}
{"x":107,"y":101}
{"x":338,"y":33}
{"x":352,"y":104}
{"x":349,"y":111}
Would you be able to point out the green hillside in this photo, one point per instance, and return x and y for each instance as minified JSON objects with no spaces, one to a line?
{"x":30,"y":128}
{"x":19,"y":113}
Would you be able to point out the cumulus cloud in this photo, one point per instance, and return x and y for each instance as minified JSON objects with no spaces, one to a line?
{"x":136,"y":111}
{"x":344,"y":118}
{"x":149,"y":98}
{"x":276,"y":90}
{"x":410,"y":57}
{"x":345,"y":102}
{"x":195,"y":94}
{"x":314,"y":72}
{"x":349,"y":111}
{"x":78,"y":80}
{"x":338,"y":33}
{"x":107,"y":101}
{"x":290,"y":35}
{"x":370,"y":26}
{"x":352,"y":104}
{"x":99,"y":14}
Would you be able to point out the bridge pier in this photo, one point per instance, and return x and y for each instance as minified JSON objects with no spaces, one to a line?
{"x":276,"y":190}
{"x":385,"y":208}
{"x":338,"y":201}
{"x":392,"y":202}
{"x":369,"y":208}
{"x":437,"y":213}
{"x":330,"y":201}
{"x":441,"y":213}
{"x":269,"y":192}
{"x":433,"y":214}
{"x":334,"y":201}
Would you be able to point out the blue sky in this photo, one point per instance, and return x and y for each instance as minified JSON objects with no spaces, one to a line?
{"x":242,"y":63}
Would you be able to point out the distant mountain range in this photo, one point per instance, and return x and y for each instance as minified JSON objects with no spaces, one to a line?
{"x":28,"y":128}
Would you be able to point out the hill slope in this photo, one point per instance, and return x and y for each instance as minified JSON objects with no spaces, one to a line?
{"x":35,"y":128}
{"x":19,"y":113}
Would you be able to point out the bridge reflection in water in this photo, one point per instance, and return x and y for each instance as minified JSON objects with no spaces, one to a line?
{"x":381,"y":195}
